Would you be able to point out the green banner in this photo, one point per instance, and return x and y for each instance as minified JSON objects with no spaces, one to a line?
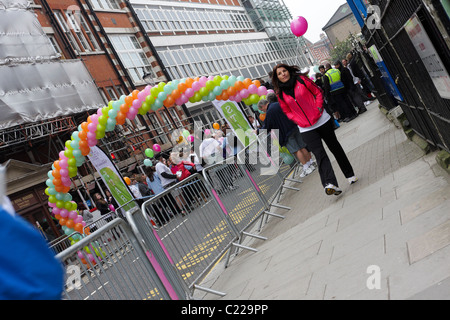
{"x":112,"y":178}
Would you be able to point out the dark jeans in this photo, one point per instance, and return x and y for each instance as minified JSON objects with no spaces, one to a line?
{"x":343,"y":104}
{"x":314,"y":139}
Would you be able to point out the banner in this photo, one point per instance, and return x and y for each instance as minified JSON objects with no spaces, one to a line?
{"x":111,"y":178}
{"x":389,"y":83}
{"x":430,"y":58}
{"x":237,"y":120}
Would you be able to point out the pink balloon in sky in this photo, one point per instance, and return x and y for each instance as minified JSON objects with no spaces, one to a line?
{"x":299,"y":26}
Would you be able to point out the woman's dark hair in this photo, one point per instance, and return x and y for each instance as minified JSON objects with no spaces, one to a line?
{"x":293,"y":71}
{"x":149,"y":171}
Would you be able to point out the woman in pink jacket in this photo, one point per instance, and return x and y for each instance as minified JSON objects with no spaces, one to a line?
{"x":302,"y":101}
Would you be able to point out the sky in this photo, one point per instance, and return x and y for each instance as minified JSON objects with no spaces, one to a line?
{"x":316,"y":12}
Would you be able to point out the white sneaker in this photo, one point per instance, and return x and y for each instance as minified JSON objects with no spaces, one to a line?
{"x":308,"y":171}
{"x":331,"y":189}
{"x":352,"y":180}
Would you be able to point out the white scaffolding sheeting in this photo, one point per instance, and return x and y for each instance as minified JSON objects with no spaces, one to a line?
{"x":35,"y":85}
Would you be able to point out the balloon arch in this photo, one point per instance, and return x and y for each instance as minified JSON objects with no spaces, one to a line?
{"x":176,"y":92}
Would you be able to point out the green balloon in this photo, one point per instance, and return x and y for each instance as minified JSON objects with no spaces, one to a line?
{"x":210,"y":85}
{"x":149,"y":153}
{"x":186,"y":133}
{"x":204,"y":91}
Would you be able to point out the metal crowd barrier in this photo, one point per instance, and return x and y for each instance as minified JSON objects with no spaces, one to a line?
{"x":165,"y":249}
{"x":186,"y":230}
{"x":110,"y":264}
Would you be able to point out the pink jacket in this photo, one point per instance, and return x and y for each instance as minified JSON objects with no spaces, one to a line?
{"x":307,"y":108}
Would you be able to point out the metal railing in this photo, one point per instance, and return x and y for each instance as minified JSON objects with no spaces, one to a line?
{"x":165,"y":248}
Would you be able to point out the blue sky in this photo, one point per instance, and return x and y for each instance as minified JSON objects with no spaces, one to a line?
{"x":316,"y":12}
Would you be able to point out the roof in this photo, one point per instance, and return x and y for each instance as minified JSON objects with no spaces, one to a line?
{"x":343,"y":12}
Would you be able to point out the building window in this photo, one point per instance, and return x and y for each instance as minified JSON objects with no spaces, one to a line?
{"x":77,"y":31}
{"x":105,"y":4}
{"x":132,"y":56}
{"x":155,"y":125}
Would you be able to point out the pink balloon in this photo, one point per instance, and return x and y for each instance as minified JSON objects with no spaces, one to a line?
{"x":189,"y":92}
{"x":136,"y":103}
{"x":56,"y":211}
{"x":191,"y":138}
{"x":207,"y":131}
{"x":262,"y":91}
{"x":62,"y":156}
{"x":73,"y":214}
{"x":64,"y":213}
{"x":99,"y":112}
{"x":92,"y":126}
{"x":63,"y":163}
{"x":64,"y":172}
{"x":244,"y":93}
{"x":156,"y":148}
{"x":203,"y":81}
{"x":299,"y":26}
{"x":179,"y":101}
{"x":252,"y":89}
{"x":196,"y":85}
{"x":78,"y":219}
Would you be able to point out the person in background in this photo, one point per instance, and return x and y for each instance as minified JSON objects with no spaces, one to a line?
{"x":336,"y":95}
{"x":347,"y":78}
{"x":289,"y":133}
{"x":302,"y":102}
{"x":102,"y":206}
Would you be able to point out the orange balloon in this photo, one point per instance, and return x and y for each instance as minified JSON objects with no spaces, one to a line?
{"x":134,"y":94}
{"x":83,"y":144}
{"x":58,"y":217}
{"x":176,"y":94}
{"x":89,"y":120}
{"x":121,"y":117}
{"x":62,"y":221}
{"x":57,"y":182}
{"x":124,"y":108}
{"x":85,"y":151}
{"x":247,"y":82}
{"x":262,"y":116}
{"x":257,"y":83}
{"x":169,"y":101}
{"x":84,"y":126}
{"x":239,"y":85}
{"x":182,"y":87}
{"x":216,"y":126}
{"x":189,"y":82}
{"x":231,"y":91}
{"x":225,"y":96}
{"x":56,"y":164}
{"x":128,"y":100}
{"x":87,"y":231}
{"x":56,"y":174}
{"x":82,"y":134}
{"x":59,"y":188}
{"x":70,"y":224}
{"x":78,"y":227}
{"x":64,"y":189}
{"x":127,"y":180}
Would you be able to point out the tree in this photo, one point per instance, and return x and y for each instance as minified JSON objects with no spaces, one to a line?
{"x":341,"y":49}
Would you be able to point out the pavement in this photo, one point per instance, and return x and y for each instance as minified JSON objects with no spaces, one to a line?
{"x":385,"y":237}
